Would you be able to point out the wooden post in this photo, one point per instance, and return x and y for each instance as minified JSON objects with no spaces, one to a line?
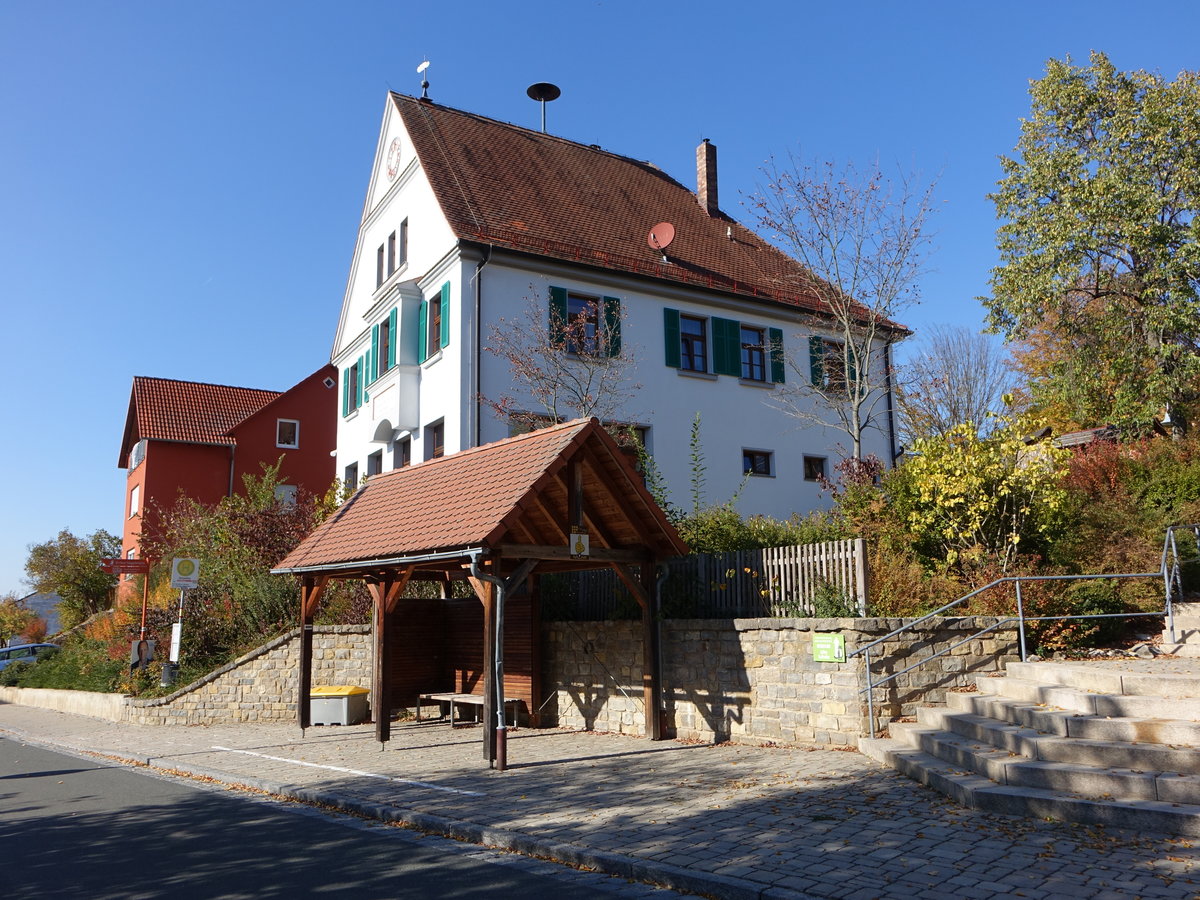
{"x":386,"y":593}
{"x":381,"y":694}
{"x":310,"y":593}
{"x":487,"y":595}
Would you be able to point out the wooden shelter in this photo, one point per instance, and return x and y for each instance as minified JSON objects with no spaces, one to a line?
{"x":559,"y":499}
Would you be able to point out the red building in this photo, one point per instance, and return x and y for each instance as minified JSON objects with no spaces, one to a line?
{"x":185,"y":437}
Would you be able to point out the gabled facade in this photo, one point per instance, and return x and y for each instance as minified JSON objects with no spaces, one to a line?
{"x":467,"y":220}
{"x":195,"y":439}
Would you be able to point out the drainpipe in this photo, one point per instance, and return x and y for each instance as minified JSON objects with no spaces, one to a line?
{"x":891,"y":413}
{"x":476,"y":439}
{"x":498,"y":651}
{"x":232,"y":451}
{"x":656,"y":606}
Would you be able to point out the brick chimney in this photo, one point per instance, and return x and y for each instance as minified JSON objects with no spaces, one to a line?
{"x":706,"y":177}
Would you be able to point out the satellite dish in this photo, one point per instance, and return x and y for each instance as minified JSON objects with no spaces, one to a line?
{"x":661,"y":236}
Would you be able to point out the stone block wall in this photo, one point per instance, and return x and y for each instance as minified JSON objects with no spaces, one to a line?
{"x":755,"y":680}
{"x":262,"y":685}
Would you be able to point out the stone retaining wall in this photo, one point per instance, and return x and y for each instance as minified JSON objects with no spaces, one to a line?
{"x":262,"y":685}
{"x":755,"y":680}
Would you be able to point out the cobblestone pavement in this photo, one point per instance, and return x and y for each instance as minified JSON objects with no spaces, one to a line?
{"x":730,"y":821}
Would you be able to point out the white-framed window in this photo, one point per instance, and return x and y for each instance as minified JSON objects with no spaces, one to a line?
{"x":711,"y":344}
{"x":375,"y":463}
{"x":758,"y":462}
{"x":693,"y":344}
{"x":435,"y":439}
{"x":287,"y":433}
{"x":351,"y":477}
{"x":285,"y":494}
{"x":402,"y":453}
{"x":135,"y":500}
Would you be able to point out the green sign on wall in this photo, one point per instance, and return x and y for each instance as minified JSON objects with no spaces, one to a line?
{"x":829,"y":647}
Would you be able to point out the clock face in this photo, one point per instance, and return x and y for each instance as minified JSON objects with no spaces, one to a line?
{"x":393,"y":158}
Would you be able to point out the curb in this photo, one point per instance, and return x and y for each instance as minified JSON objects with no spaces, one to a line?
{"x":720,"y":887}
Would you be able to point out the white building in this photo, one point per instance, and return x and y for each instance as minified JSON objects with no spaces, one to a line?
{"x":466,"y":218}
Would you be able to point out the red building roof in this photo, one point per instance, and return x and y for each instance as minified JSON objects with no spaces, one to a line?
{"x":164,"y":409}
{"x":506,"y":186}
{"x":510,"y":490}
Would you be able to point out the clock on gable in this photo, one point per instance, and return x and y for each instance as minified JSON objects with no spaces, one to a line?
{"x":393,"y":158}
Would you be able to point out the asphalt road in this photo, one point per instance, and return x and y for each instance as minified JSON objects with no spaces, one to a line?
{"x":73,"y":827}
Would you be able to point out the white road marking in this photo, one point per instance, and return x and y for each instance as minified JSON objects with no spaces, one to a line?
{"x":301,"y":762}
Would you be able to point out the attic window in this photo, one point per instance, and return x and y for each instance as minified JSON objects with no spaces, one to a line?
{"x":287,"y":434}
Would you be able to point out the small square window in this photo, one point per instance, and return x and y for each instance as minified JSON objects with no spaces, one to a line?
{"x":287,"y":433}
{"x":285,"y":494}
{"x":756,"y":462}
{"x":402,"y":455}
{"x":814,"y":468}
{"x":375,"y":463}
{"x":351,"y":478}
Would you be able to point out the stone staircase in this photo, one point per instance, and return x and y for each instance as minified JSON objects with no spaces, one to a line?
{"x":1109,"y":743}
{"x":1187,"y":631}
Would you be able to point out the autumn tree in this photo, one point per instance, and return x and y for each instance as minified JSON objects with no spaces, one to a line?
{"x":70,"y":567}
{"x":1099,"y":241}
{"x":862,"y":237}
{"x":15,"y":618}
{"x":953,"y":375}
{"x":566,"y":358}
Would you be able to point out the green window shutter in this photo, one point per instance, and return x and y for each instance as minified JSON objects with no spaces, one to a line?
{"x":671,"y":338}
{"x":373,"y":353}
{"x":345,"y":392}
{"x":775,"y":343}
{"x":445,"y":301}
{"x":612,"y":324}
{"x":727,"y":347}
{"x":422,"y":333}
{"x":558,"y":316}
{"x":393,"y":333}
{"x":816,"y":360}
{"x":361,"y":380}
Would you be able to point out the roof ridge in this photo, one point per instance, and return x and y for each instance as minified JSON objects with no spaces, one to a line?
{"x":233,"y":387}
{"x":594,"y":148}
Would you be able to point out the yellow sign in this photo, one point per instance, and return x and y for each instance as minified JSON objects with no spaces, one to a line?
{"x":580,"y":542}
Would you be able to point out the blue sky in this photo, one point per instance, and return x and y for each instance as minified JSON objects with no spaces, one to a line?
{"x":182,"y":182}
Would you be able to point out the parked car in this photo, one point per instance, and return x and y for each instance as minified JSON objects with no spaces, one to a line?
{"x":24,"y":652}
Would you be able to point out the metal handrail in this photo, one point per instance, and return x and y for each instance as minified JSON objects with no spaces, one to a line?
{"x":1172,"y":584}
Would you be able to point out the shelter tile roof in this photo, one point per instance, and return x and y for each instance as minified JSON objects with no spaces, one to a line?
{"x":510,"y":490}
{"x":168,"y":410}
{"x":508,"y":186}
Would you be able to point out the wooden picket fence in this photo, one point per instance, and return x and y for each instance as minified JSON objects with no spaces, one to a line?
{"x":803,"y":580}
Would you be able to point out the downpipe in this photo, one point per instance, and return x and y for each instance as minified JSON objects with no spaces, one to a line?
{"x":498,"y":651}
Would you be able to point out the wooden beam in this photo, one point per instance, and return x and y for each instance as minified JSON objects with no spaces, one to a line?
{"x":574,"y":493}
{"x":552,"y":517}
{"x":514,"y":581}
{"x":635,"y":586}
{"x":540,"y":551}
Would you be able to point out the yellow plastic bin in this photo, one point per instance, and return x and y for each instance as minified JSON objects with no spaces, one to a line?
{"x":337,"y":704}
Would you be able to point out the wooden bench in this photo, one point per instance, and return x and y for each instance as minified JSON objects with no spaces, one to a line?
{"x":450,"y":699}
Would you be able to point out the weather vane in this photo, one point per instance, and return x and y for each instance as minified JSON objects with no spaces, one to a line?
{"x":424,"y":81}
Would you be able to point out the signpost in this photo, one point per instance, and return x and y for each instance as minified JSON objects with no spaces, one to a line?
{"x":141,"y":567}
{"x":185,"y":574}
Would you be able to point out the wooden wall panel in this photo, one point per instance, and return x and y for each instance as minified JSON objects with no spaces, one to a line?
{"x":418,"y":635}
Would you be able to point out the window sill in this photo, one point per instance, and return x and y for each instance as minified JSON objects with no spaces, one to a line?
{"x":287,"y":446}
{"x":703,"y":376}
{"x":758,"y":475}
{"x":353,"y":414}
{"x":754,"y":383}
{"x":431,"y":360}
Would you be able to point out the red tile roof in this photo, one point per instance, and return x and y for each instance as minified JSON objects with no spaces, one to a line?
{"x":507,"y":186}
{"x":508,"y":491}
{"x":167,"y":410}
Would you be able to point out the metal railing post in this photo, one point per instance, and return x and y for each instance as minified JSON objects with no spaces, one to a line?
{"x":1020,"y":620}
{"x":870,"y":694}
